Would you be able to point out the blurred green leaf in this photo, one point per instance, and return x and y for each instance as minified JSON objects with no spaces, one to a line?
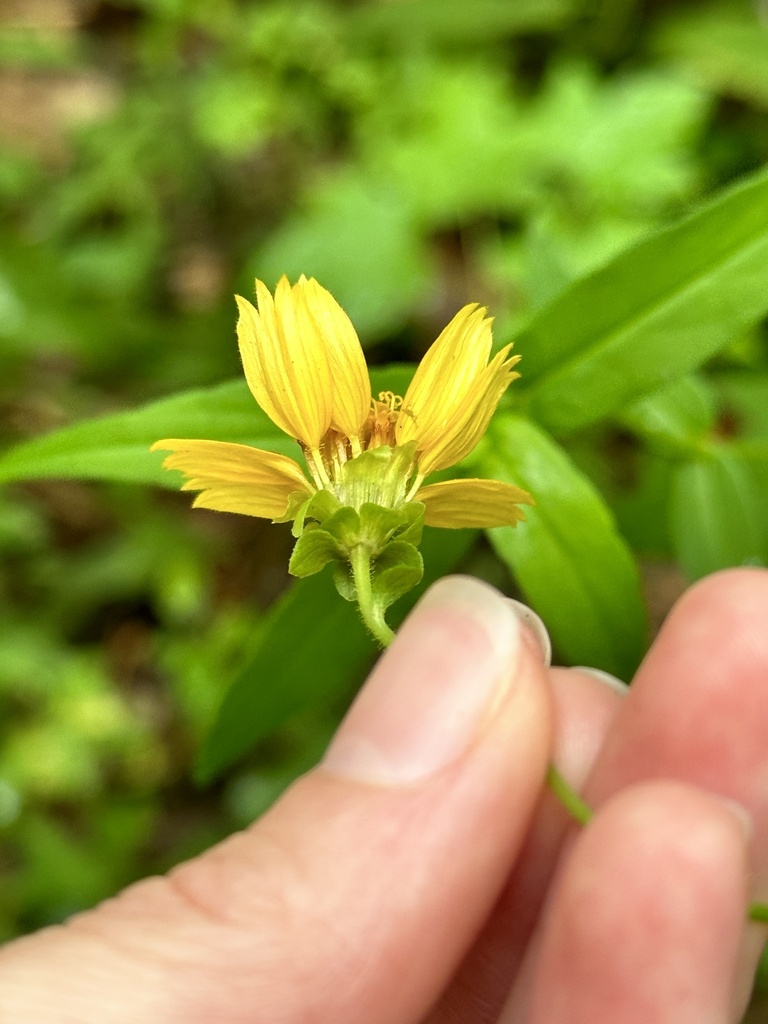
{"x":652,"y":314}
{"x":639,"y":507}
{"x":409,"y":22}
{"x":726,"y":48}
{"x":234,"y":110}
{"x":676,"y":419}
{"x":358,"y":239}
{"x":568,"y":557}
{"x":27,"y":46}
{"x":594,"y":161}
{"x":312,"y":647}
{"x":117,"y":447}
{"x":743,"y":398}
{"x":716,"y":514}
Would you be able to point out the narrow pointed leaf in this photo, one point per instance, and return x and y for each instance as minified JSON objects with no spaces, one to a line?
{"x":655,"y":312}
{"x":116,"y":447}
{"x":568,"y":557}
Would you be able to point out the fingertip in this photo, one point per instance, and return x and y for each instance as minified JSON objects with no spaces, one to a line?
{"x":647,"y":917}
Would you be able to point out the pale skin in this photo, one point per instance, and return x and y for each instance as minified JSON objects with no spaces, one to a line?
{"x":423,"y":874}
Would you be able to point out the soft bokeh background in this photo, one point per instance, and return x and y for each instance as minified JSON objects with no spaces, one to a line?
{"x":414,"y":155}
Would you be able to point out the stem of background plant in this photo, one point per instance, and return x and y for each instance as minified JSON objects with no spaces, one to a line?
{"x":373,"y":615}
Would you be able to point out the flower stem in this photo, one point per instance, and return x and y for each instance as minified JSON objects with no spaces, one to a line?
{"x":581,"y":812}
{"x":578,"y":809}
{"x":373,"y":615}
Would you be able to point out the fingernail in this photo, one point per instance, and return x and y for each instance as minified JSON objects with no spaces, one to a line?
{"x":604,"y":677}
{"x":739,"y":812}
{"x":449,"y":669}
{"x":536,"y":625}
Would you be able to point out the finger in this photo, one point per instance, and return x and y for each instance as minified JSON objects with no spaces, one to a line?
{"x":646,"y":918}
{"x":697,"y":711}
{"x":584,"y":708}
{"x":357,"y":895}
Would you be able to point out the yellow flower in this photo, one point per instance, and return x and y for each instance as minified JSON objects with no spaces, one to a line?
{"x":305,"y":367}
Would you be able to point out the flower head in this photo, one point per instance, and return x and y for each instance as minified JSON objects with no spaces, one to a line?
{"x":305,"y":367}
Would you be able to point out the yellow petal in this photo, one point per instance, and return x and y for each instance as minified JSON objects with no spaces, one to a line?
{"x":350,"y":381}
{"x":473,"y":504}
{"x":454,"y":392}
{"x":235,"y":477}
{"x":468,"y":424}
{"x":285,"y":361}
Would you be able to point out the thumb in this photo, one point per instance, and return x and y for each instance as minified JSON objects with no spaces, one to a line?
{"x":357,"y":895}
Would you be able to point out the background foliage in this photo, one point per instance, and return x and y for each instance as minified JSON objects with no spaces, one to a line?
{"x":590,"y":170}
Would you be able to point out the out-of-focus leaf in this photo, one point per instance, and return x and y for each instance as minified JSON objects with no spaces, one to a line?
{"x":639,"y":507}
{"x":434,"y":21}
{"x":356,"y":237}
{"x":22,"y":46}
{"x":716,"y":514}
{"x":743,"y":399}
{"x":652,"y":314}
{"x":593,"y":163}
{"x":677,"y":418}
{"x":726,"y":49}
{"x":312,"y":647}
{"x":568,"y":557}
{"x":117,"y":447}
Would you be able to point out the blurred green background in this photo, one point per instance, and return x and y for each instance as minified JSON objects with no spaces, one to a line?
{"x":413,"y":155}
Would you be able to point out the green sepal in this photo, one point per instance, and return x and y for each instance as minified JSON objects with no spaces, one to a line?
{"x":344,"y":581}
{"x":313,"y":551}
{"x":397,"y":570}
{"x":321,"y":506}
{"x":378,"y":476}
{"x":378,"y":525}
{"x":296,"y":508}
{"x":328,"y":534}
{"x":413,"y":523}
{"x":374,"y":526}
{"x":344,"y":527}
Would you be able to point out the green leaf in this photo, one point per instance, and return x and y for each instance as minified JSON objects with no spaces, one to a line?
{"x":717,"y":514}
{"x":429,"y":21}
{"x":116,"y":447}
{"x":568,"y":557}
{"x":312,"y":647}
{"x":743,"y":397}
{"x":677,"y":419}
{"x":652,"y":314}
{"x":727,"y":49}
{"x":331,"y":239}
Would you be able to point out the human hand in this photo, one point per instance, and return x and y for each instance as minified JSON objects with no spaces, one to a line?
{"x":422,"y":875}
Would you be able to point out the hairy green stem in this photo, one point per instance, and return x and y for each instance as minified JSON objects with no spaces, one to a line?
{"x":373,"y":615}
